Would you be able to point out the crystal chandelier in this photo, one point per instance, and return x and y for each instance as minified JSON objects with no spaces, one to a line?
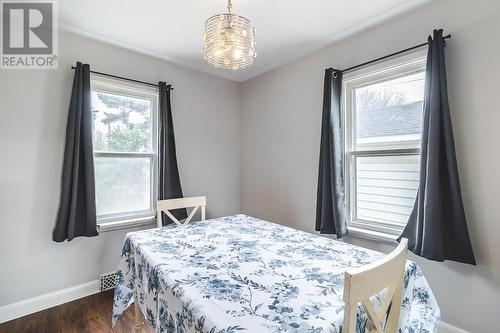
{"x":229,"y":41}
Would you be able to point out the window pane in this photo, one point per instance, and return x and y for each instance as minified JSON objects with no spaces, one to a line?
{"x":121,"y":123}
{"x":389,"y":114}
{"x":123,"y":184}
{"x":386,"y":187}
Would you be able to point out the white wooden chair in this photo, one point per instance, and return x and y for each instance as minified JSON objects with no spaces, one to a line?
{"x":167,"y":205}
{"x":362,"y":283}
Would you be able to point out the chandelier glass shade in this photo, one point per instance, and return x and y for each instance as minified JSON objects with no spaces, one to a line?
{"x":229,"y":41}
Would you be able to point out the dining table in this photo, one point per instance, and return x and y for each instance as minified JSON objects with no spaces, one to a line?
{"x":242,"y":274}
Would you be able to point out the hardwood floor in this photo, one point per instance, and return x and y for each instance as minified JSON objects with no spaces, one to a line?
{"x":91,"y":314}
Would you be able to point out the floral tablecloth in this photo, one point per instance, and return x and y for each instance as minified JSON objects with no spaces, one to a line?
{"x":242,"y":274}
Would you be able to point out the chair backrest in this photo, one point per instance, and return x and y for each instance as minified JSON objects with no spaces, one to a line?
{"x":167,"y":205}
{"x":364,"y":282}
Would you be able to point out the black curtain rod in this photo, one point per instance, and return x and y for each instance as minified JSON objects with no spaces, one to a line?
{"x":127,"y":79}
{"x":390,"y":55}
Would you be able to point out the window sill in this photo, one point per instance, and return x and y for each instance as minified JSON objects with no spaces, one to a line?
{"x":126,"y":224}
{"x":372,"y":235}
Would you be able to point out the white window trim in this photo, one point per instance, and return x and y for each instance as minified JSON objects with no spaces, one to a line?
{"x":407,"y":64}
{"x":125,"y":224}
{"x":373,"y":235}
{"x":112,"y":85}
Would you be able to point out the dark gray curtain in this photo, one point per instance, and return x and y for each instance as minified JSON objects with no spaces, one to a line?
{"x":77,"y":211}
{"x":437,"y":229}
{"x":330,"y":204}
{"x":169,"y":182}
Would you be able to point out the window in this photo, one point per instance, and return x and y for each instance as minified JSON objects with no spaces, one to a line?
{"x":125,"y":150}
{"x":383,"y":107}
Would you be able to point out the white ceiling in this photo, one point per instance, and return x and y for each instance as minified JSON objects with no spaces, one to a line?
{"x":172,"y":29}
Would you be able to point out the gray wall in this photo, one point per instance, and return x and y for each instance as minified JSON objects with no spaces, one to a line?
{"x":281,"y":134}
{"x":34,"y":105}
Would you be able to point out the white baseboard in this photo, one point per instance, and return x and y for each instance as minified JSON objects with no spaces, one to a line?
{"x":448,"y":328}
{"x":42,"y":302}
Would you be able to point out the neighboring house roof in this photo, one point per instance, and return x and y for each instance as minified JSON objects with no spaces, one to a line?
{"x":394,"y":120}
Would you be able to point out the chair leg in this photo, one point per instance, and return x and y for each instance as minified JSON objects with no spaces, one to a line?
{"x":138,"y":321}
{"x":158,"y":219}
{"x":350,"y":319}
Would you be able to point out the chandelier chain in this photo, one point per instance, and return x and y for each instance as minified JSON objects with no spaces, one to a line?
{"x":229,"y":6}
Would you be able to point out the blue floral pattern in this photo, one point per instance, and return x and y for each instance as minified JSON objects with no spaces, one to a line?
{"x":242,"y":274}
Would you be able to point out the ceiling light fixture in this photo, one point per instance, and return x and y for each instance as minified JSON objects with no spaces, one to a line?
{"x":229,"y":41}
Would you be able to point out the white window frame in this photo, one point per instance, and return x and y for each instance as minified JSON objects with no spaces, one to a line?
{"x":401,"y":66}
{"x":105,"y":84}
